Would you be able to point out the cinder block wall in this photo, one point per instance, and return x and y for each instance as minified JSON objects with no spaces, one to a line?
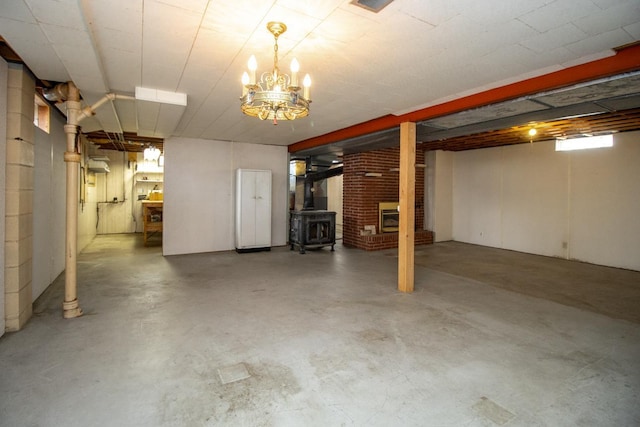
{"x":19,"y":198}
{"x":361,"y":195}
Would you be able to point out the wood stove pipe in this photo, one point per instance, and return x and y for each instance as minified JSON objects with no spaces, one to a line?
{"x":310,"y":178}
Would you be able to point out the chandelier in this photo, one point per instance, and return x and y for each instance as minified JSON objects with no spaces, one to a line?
{"x":151,"y":154}
{"x":276,"y":96}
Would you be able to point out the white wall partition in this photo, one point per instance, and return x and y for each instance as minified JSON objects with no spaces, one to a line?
{"x":199,"y":192}
{"x":582,"y":205}
{"x":439,"y":194}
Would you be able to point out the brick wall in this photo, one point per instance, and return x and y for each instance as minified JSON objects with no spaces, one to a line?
{"x":361,"y":195}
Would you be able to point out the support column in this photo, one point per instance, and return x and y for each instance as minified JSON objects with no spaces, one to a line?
{"x":70,"y":304}
{"x":406,"y":229}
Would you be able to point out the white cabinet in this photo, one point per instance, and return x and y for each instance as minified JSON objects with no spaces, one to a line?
{"x":253,"y":210}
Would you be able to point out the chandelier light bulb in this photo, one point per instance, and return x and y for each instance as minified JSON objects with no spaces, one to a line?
{"x":307,"y":85}
{"x":295,"y":67}
{"x":253,"y":66}
{"x":532,"y":132}
{"x":245,"y":82}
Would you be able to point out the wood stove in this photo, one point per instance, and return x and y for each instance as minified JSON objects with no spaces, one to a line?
{"x":312,"y":229}
{"x":389,"y":217}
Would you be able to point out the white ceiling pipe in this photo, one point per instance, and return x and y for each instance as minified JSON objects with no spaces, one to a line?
{"x":75,"y":114}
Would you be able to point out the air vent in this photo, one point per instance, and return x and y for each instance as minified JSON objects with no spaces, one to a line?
{"x":374,"y":6}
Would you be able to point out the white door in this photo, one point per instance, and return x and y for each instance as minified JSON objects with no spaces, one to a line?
{"x":247,"y":206}
{"x":263,"y":208}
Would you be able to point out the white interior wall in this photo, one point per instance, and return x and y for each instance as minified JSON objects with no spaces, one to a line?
{"x":580,"y":205}
{"x":604,"y":203}
{"x":477,"y":197}
{"x":534,"y":199}
{"x":199,"y":194}
{"x":115,"y":195}
{"x":438,"y":189}
{"x":87,"y":211}
{"x":4,"y":72}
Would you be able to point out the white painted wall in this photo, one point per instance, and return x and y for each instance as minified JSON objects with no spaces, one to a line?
{"x":581,"y":205}
{"x":604,"y":203}
{"x":87,"y":211}
{"x":477,"y":197}
{"x":4,"y":72}
{"x":119,"y":216}
{"x":199,"y":194}
{"x":439,"y":194}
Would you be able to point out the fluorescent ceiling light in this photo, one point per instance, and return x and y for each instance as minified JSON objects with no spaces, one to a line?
{"x":161,"y":96}
{"x":584,"y":143}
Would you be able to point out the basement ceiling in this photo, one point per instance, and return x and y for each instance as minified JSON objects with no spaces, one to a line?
{"x":364,"y":65}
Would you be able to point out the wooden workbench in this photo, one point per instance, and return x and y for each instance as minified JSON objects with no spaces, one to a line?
{"x":151,"y":218}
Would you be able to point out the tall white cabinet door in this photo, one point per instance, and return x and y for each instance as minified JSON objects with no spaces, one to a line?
{"x":263,"y":208}
{"x":253,"y":209}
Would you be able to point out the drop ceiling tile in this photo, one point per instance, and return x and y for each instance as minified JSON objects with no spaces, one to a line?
{"x":559,"y":13}
{"x":344,"y":26}
{"x":610,"y":19}
{"x":633,"y":30}
{"x":600,"y":42}
{"x":122,"y":70}
{"x":119,"y":41}
{"x":313,"y":8}
{"x":126,"y":111}
{"x":498,"y":13}
{"x":220,"y":14}
{"x":108,"y":120}
{"x":549,"y":40}
{"x":32,"y":45}
{"x":434,"y":12}
{"x":63,"y":13}
{"x":147,"y":117}
{"x":168,"y":118}
{"x":17,"y":11}
{"x":197,"y":6}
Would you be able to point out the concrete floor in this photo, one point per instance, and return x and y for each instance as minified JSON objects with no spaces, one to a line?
{"x":277,"y":338}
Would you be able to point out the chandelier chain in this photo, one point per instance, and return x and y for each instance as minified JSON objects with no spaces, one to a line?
{"x":275,"y":57}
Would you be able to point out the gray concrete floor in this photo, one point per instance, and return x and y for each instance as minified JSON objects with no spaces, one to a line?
{"x":277,"y":338}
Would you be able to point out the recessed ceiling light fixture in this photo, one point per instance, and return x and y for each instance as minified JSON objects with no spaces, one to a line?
{"x":275,"y":96}
{"x":584,"y":143}
{"x":374,"y":6}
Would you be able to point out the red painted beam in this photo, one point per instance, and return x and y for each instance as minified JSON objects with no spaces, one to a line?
{"x":625,"y":60}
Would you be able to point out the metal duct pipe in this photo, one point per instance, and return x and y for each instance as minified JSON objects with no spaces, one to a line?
{"x":75,"y":114}
{"x":310,"y":178}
